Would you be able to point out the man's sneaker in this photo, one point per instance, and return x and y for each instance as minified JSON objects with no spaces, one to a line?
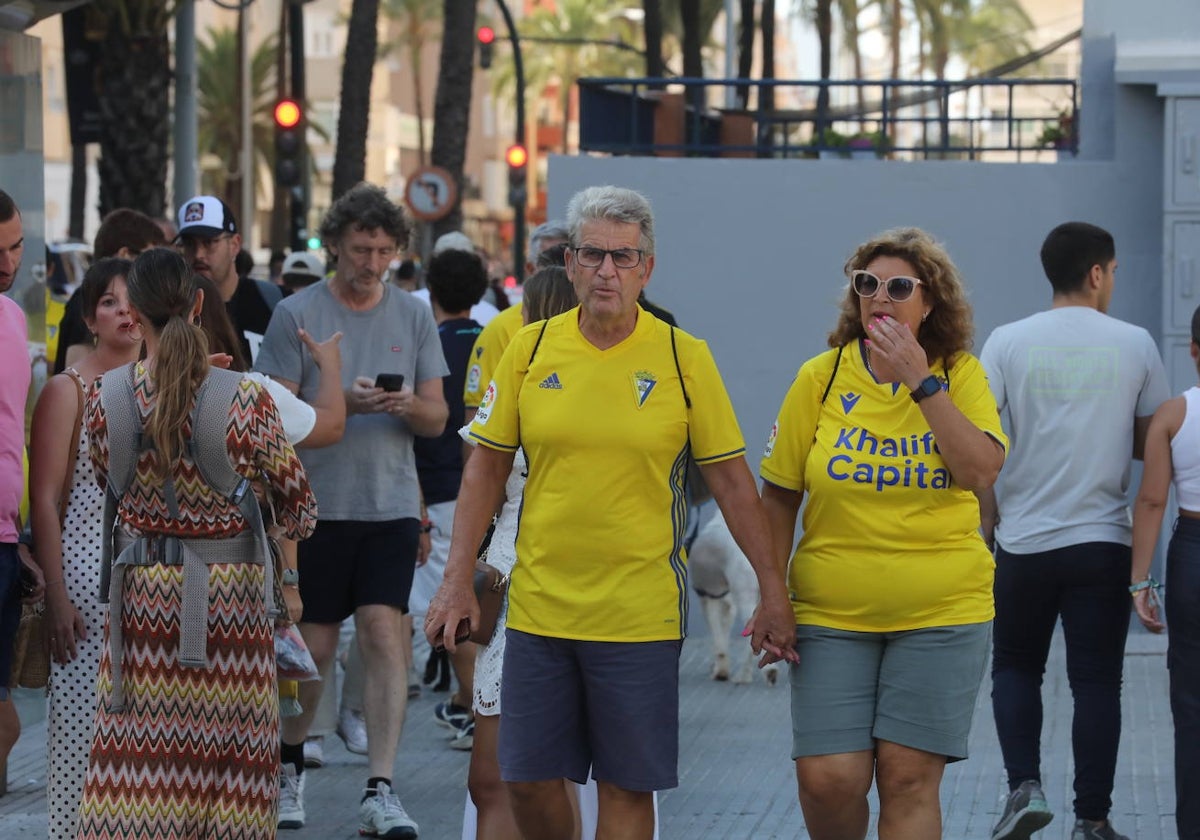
{"x":291,"y":798}
{"x":1088,"y":830}
{"x":352,"y":728}
{"x":451,"y":715}
{"x":1025,"y":811}
{"x":314,"y":751}
{"x":382,"y":815}
{"x":464,"y":739}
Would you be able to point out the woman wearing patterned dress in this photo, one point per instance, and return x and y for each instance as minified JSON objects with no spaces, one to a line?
{"x":187,"y":731}
{"x":69,"y":550}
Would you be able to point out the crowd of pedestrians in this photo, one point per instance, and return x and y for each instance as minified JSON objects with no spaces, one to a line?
{"x":219,"y":455}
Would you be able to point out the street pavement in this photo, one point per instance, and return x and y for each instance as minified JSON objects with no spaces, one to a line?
{"x":736,"y":779}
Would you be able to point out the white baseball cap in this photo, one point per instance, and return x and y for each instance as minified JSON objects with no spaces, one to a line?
{"x":206,"y":215}
{"x":304,"y":264}
{"x":455,"y":240}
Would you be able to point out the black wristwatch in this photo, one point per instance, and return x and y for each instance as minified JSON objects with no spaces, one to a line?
{"x":929,"y":386}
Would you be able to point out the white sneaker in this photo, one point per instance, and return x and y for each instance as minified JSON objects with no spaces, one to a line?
{"x":291,"y":798}
{"x":383,"y":816}
{"x":352,"y":728}
{"x":314,"y":751}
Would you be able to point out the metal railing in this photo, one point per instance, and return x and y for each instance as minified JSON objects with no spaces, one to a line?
{"x":894,"y":118}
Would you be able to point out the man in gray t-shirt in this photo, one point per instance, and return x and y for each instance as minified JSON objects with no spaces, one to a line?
{"x":1076,"y":390}
{"x":361,"y":558}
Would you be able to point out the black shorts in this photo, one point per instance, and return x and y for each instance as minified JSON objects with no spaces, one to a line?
{"x":10,"y":610}
{"x":345,"y":565}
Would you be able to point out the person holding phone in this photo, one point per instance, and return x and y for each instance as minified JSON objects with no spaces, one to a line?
{"x":360,"y":560}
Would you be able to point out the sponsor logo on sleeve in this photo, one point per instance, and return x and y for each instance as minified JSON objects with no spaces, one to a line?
{"x":473,"y":377}
{"x":485,"y":405}
{"x":771,"y":440}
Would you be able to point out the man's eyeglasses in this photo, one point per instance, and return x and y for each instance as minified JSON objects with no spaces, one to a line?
{"x":193,"y":244}
{"x":899,"y":288}
{"x":621,"y":257}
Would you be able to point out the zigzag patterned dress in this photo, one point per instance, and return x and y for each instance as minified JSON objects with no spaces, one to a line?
{"x":195,"y":753}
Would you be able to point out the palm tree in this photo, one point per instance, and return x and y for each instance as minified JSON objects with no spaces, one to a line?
{"x":652,"y":26}
{"x":358,"y":65}
{"x":568,"y":43}
{"x":746,"y":27}
{"x":452,"y":102}
{"x":419,"y":21}
{"x":134,"y":102}
{"x":217,"y":86}
{"x":766,"y":99}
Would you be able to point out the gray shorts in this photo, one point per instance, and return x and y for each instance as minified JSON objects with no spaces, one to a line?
{"x":915,"y":688}
{"x":570,"y":706}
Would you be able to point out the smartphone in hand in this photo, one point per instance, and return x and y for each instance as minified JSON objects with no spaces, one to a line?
{"x":390,"y":381}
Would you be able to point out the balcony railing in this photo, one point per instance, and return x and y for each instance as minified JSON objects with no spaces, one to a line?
{"x":990,"y":118}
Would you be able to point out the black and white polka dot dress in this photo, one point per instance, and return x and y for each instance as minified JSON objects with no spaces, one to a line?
{"x":71,"y":698}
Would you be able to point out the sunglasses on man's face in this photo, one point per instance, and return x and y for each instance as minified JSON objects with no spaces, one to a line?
{"x":899,"y":288}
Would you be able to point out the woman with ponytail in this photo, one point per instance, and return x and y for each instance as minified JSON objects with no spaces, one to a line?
{"x":187,"y":731}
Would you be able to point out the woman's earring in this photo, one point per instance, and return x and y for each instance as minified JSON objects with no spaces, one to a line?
{"x":923,"y":317}
{"x":140,"y":332}
{"x":196,"y":320}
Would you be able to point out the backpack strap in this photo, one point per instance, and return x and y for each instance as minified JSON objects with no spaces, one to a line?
{"x":837,"y":362}
{"x":210,"y":452}
{"x":538,"y":343}
{"x":679,"y":371}
{"x":123,"y":422}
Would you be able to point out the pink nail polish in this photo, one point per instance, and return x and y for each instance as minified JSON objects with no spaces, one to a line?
{"x":746,"y":632}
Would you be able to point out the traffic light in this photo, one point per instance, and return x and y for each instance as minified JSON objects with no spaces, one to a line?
{"x":516,"y":157}
{"x":289,"y":143}
{"x":487,"y":40}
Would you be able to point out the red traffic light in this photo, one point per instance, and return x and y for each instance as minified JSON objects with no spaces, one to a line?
{"x":516,"y":156}
{"x":486,"y":35}
{"x":287,"y":113}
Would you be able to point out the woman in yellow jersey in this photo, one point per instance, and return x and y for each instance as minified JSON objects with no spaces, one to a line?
{"x":888,"y":433}
{"x":608,"y":403}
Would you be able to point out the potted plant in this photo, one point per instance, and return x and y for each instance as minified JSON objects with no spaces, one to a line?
{"x":832,"y":144}
{"x":867,"y":144}
{"x":1057,"y":135}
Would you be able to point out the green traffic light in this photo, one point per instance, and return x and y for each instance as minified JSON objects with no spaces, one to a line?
{"x":314,"y":243}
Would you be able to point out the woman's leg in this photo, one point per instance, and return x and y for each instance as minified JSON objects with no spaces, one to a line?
{"x":496,"y":821}
{"x":908,"y":780}
{"x":833,"y":794}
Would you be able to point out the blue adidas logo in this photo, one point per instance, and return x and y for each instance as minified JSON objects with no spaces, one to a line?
{"x":551,"y":382}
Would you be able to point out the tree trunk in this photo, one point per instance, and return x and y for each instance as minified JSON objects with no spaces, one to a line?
{"x":135,"y":114}
{"x":693,"y":39}
{"x":78,"y":190}
{"x":652,"y":25}
{"x":419,"y":104}
{"x":746,"y":27}
{"x":766,"y":96}
{"x":897,"y":30}
{"x":825,"y":38}
{"x":452,"y":102}
{"x":358,"y":65}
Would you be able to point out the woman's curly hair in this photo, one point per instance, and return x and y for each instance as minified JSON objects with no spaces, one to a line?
{"x":949,"y":329}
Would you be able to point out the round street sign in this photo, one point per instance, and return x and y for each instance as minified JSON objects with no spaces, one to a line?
{"x":430,"y":193}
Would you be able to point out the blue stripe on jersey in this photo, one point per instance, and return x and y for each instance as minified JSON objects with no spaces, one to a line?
{"x":504,"y":447}
{"x":679,"y":511}
{"x":724,"y":456}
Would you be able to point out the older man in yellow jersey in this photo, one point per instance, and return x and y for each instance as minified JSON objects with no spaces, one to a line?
{"x":608,"y":403}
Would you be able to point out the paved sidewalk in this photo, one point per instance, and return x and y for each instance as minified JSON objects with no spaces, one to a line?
{"x":736,"y":779}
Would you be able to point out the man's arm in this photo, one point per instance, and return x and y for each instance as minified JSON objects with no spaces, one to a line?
{"x":989,"y":515}
{"x":424,"y":410}
{"x":773,"y":627}
{"x":1141,"y":428}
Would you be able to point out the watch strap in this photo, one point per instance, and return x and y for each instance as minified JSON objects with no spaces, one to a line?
{"x":929,"y":386}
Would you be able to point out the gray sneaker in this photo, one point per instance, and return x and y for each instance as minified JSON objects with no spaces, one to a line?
{"x":1025,"y":811}
{"x":383,"y":816}
{"x":291,"y":797}
{"x":1088,"y":830}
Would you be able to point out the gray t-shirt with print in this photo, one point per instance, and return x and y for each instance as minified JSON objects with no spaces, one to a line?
{"x":370,"y":475}
{"x":1069,"y":383}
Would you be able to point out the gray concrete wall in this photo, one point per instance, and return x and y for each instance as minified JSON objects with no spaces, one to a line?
{"x":750,"y":253}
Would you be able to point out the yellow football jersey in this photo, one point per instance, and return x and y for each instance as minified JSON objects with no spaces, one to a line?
{"x":890,"y":541}
{"x":606,"y":433}
{"x":487,"y":352}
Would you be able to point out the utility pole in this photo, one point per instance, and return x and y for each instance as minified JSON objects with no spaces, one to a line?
{"x":184,"y":182}
{"x":302,"y":192}
{"x":518,"y":198}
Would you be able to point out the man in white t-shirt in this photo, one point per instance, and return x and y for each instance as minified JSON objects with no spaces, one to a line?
{"x":1076,"y":390}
